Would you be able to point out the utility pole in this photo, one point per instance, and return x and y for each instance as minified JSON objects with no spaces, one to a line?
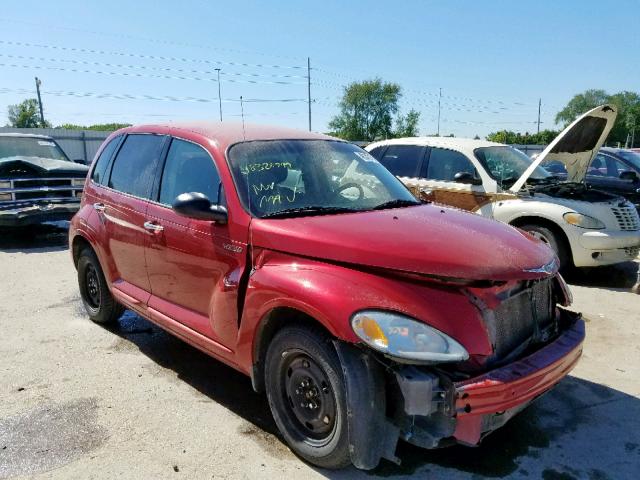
{"x":242,"y":114}
{"x":309,"y":89}
{"x":38,"y":82}
{"x":219,"y":97}
{"x":539,"y":107}
{"x":439,"y":97}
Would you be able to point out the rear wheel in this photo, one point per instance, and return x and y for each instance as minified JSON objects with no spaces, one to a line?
{"x":95,"y":294}
{"x":553,"y":240}
{"x":306,"y":393}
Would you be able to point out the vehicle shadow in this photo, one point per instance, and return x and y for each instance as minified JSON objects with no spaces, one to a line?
{"x":619,"y":277}
{"x":555,"y":438}
{"x":45,"y":237}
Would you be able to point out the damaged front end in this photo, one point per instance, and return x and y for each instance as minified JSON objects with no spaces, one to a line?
{"x":35,"y":190}
{"x":535,"y":344}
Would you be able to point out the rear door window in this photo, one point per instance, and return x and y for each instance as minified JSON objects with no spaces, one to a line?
{"x":189,"y":168}
{"x":403,"y":160}
{"x":444,"y":164}
{"x":135,"y":166}
{"x":103,"y":160}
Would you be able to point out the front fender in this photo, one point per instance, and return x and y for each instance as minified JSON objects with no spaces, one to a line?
{"x":331,"y":294}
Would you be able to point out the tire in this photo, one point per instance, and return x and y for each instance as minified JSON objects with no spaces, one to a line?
{"x":94,"y":291}
{"x":554,"y":241}
{"x":307,"y":396}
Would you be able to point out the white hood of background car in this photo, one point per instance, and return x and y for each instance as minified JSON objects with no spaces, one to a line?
{"x":576,"y":145}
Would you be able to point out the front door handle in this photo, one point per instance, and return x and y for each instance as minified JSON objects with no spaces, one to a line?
{"x":99,"y":207}
{"x":153,"y":227}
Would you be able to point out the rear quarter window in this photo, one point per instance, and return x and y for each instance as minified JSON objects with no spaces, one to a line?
{"x":102,"y":162}
{"x":135,"y":166}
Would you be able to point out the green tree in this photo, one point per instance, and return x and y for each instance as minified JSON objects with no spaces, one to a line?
{"x":580,"y":104}
{"x":102,"y":127}
{"x":367,"y":109}
{"x":510,"y":137}
{"x":25,"y":114}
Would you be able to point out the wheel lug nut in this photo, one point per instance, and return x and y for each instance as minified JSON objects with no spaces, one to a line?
{"x":305,"y":364}
{"x":325,"y":420}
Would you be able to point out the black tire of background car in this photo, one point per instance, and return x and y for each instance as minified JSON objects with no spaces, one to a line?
{"x":331,"y":451}
{"x":551,"y":238}
{"x":107,"y":310}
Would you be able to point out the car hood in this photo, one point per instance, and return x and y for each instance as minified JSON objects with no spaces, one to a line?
{"x":46,"y":167}
{"x":440,"y":242}
{"x":577,"y":145}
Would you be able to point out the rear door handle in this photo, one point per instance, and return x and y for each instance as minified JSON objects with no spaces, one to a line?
{"x":99,"y":207}
{"x":153,"y":227}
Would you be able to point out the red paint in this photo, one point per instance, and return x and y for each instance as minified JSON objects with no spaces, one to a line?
{"x":188,"y":280}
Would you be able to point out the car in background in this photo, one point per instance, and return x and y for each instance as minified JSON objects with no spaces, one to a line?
{"x":38,"y":182}
{"x":585,"y":227}
{"x":613,"y":170}
{"x":299,"y":260}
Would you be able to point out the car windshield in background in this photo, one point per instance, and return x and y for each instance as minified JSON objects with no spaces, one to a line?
{"x":30,"y":147}
{"x":281,"y":178}
{"x":631,"y":157}
{"x":507,"y":164}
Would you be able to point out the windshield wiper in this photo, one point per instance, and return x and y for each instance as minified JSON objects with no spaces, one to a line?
{"x":308,"y":210}
{"x":396,"y":203}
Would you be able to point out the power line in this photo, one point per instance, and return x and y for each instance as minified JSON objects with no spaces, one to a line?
{"x":142,"y":75}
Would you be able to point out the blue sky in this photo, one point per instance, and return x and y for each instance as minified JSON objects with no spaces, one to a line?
{"x":492,"y":59}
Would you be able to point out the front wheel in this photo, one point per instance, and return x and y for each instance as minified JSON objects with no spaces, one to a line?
{"x":307,"y":396}
{"x":95,"y":294}
{"x":553,"y":240}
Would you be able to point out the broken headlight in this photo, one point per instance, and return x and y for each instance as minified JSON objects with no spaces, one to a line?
{"x":403,"y":337}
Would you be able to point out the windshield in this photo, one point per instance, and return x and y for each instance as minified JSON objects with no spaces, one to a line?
{"x":631,"y":157}
{"x":30,"y":147}
{"x":507,"y":164}
{"x":296,"y":177}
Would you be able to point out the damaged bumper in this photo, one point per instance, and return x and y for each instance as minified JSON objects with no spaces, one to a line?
{"x":484,"y":403}
{"x":30,"y":213}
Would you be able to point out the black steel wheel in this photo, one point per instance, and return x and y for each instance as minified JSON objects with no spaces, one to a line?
{"x":95,"y":294}
{"x":307,"y":396}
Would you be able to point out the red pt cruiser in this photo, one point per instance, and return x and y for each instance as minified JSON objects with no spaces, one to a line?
{"x":366,"y":316}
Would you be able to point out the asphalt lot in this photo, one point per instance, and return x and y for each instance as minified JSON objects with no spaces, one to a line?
{"x":78,"y":400}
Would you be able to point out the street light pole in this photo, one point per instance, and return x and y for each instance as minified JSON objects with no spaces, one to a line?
{"x":539,"y":107}
{"x":439,"y":97}
{"x":219,"y":97}
{"x":38,"y":82}
{"x":309,"y":89}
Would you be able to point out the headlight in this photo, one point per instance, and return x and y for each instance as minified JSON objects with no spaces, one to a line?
{"x":403,"y":337}
{"x":583,"y":221}
{"x":77,"y":182}
{"x":5,"y":184}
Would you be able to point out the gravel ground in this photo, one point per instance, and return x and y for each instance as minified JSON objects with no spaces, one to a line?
{"x":78,"y":400}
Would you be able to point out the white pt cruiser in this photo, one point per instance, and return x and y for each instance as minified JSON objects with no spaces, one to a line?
{"x":585,"y":227}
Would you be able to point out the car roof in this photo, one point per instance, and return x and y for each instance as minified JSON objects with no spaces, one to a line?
{"x":444,"y":142}
{"x":26,"y":135}
{"x":228,"y":133}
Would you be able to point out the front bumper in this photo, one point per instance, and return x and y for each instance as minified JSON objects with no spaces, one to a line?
{"x":484,"y":403}
{"x":32,"y":213}
{"x":604,"y":247}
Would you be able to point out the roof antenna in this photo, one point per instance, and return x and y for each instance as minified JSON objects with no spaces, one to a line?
{"x":244,"y":137}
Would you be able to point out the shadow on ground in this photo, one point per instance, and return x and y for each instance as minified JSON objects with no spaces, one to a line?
{"x":613,"y":277}
{"x":553,"y":439}
{"x":46,"y":237}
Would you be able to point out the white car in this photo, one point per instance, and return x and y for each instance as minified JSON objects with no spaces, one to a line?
{"x":585,"y":227}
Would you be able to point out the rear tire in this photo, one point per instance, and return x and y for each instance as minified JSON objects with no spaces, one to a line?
{"x":307,"y":396}
{"x":94,"y":291}
{"x":553,"y":240}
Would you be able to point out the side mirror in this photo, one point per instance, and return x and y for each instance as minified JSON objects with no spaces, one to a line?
{"x":466,"y":177}
{"x":197,"y":205}
{"x":629,"y":175}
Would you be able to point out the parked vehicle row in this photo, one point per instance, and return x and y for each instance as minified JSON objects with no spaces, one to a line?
{"x":366,"y":315}
{"x":38,"y":182}
{"x":584,"y":226}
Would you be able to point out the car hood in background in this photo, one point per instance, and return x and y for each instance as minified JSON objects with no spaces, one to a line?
{"x":576,"y":145}
{"x":435,"y":241}
{"x":14,"y":167}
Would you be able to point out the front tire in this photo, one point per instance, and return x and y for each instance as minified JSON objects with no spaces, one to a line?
{"x":94,"y":291}
{"x":307,"y":396}
{"x":553,"y":240}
